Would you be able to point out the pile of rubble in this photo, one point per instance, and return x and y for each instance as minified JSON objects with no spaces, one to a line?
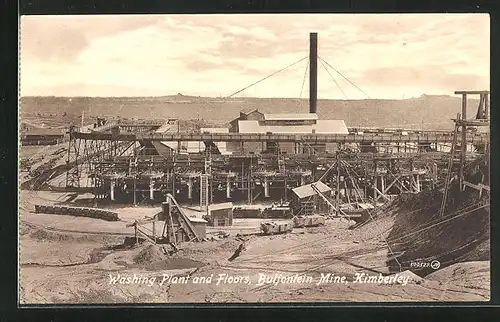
{"x":218,"y":235}
{"x":419,"y":235}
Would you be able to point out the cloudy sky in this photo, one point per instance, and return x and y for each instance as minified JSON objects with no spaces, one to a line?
{"x":387,"y":56}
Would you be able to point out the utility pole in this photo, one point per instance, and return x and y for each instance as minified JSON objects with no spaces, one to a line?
{"x":338,"y":184}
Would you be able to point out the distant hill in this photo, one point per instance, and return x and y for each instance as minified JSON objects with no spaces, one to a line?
{"x":426,"y":112}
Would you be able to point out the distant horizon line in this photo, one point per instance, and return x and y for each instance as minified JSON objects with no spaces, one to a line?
{"x":236,"y":98}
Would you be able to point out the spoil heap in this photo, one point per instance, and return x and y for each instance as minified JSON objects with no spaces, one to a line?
{"x":418,"y":234}
{"x":154,"y":258}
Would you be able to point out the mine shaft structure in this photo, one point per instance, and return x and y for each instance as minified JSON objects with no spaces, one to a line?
{"x":205,"y":178}
{"x":364,"y":183}
{"x":458,"y":155}
{"x":177,"y":226}
{"x":84,"y":153}
{"x":138,"y":161}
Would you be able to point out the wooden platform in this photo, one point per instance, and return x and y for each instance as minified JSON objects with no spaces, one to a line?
{"x":480,"y":187}
{"x":432,"y":137}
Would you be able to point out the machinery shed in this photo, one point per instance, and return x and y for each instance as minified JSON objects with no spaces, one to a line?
{"x":307,"y":190}
{"x":220,"y":214}
{"x":200,"y":226}
{"x":42,"y":136}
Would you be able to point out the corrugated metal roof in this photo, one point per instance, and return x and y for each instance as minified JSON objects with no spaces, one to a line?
{"x":256,"y":127}
{"x":189,"y":146}
{"x":219,"y":206}
{"x":163,"y":148}
{"x":214,"y":130}
{"x":199,"y":220}
{"x":307,"y":190}
{"x":194,"y":147}
{"x":44,"y":132}
{"x":221,"y":146}
{"x":331,"y":126}
{"x":197,"y":147}
{"x":171,"y":144}
{"x":249,"y":110}
{"x":321,"y":127}
{"x":166,"y":127}
{"x":290,"y":116}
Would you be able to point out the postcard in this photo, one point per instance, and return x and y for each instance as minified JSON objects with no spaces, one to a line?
{"x":244,"y":158}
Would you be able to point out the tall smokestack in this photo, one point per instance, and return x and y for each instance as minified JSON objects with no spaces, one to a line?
{"x":313,"y":71}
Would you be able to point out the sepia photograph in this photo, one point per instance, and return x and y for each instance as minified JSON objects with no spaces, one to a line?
{"x":254,"y":158}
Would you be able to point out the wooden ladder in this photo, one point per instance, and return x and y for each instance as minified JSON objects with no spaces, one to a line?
{"x":203,"y":192}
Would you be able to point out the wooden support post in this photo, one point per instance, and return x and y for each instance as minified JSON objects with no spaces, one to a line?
{"x":228,"y":187}
{"x":173,"y":181}
{"x":164,"y":206}
{"x":151,"y":189}
{"x":190,"y":188}
{"x":112,"y":191}
{"x":135,"y":230}
{"x":486,"y":105}
{"x":347,"y":192}
{"x":337,"y":188}
{"x":463,"y":144}
{"x":154,"y":231}
{"x":396,"y":178}
{"x":135,"y":191}
{"x":210,"y":184}
{"x":172,"y":228}
{"x":171,"y":238}
{"x":249,"y":196}
{"x":286,"y":188}
{"x":380,"y":195}
{"x":413,"y":184}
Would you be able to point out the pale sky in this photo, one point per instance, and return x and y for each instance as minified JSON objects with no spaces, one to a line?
{"x":387,"y":56}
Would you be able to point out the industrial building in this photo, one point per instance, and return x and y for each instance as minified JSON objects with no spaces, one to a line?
{"x":258,"y":123}
{"x":220,"y":214}
{"x":264,"y":158}
{"x":42,"y":136}
{"x":302,"y":123}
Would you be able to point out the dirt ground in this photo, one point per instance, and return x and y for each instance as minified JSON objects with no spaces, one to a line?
{"x":66,"y":259}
